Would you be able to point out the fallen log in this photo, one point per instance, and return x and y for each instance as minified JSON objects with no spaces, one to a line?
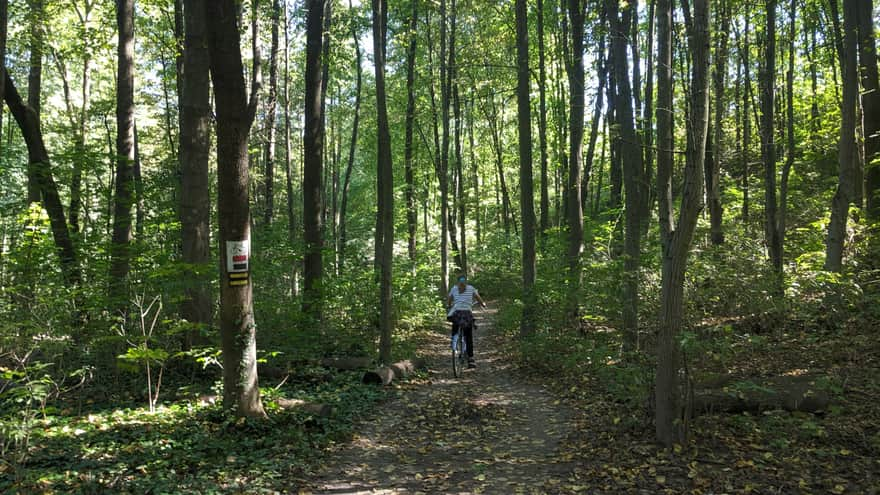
{"x":386,"y":374}
{"x":789,"y":393}
{"x":322,"y":410}
{"x":347,"y":363}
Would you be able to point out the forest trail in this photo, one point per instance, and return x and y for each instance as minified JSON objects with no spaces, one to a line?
{"x":486,"y":432}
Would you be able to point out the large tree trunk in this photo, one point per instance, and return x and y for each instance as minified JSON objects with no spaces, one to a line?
{"x":195,"y":149}
{"x":385,"y":184}
{"x":313,"y":166}
{"x":870,"y":109}
{"x":461,"y":198}
{"x":848,"y":155}
{"x":120,"y":246}
{"x":343,"y":236}
{"x":272,"y":99}
{"x":542,"y":121}
{"x":768,"y":145}
{"x":671,"y":425}
{"x":575,"y":214}
{"x":36,"y":12}
{"x":4,"y":22}
{"x":38,"y":159}
{"x":526,"y":187}
{"x":235,"y":114}
{"x":789,"y":112}
{"x":631,"y":156}
{"x":411,"y":219}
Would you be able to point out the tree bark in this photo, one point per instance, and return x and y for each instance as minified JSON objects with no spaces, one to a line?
{"x":4,"y":24}
{"x":461,"y":198}
{"x":195,"y":149}
{"x":120,"y":246}
{"x":789,"y":112}
{"x":290,"y":172}
{"x":313,"y":166}
{"x":589,"y":158}
{"x":542,"y":122}
{"x":38,"y":159}
{"x":526,"y":187}
{"x":272,"y":100}
{"x":235,"y":114}
{"x":80,"y":161}
{"x":847,"y":156}
{"x":870,"y":109}
{"x":384,"y":184}
{"x":346,"y":181}
{"x":446,"y":50}
{"x":36,"y":12}
{"x":713,"y":165}
{"x":768,"y":145}
{"x":411,"y":219}
{"x":575,"y":214}
{"x":631,"y":156}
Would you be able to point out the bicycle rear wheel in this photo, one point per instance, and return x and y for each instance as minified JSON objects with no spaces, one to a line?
{"x":457,"y":353}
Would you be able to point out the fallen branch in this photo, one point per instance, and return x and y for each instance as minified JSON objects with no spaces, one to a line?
{"x":347,"y":363}
{"x":789,"y":393}
{"x":322,"y":410}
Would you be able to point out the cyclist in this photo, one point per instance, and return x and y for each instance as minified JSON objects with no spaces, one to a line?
{"x":460,"y":301}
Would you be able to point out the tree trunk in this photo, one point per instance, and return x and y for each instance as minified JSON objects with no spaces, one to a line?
{"x":648,"y":116}
{"x":631,"y":156}
{"x":848,"y":156}
{"x":4,"y":24}
{"x":36,"y":12}
{"x":289,"y":171}
{"x":235,"y":114}
{"x":346,"y":181}
{"x":594,"y":124}
{"x":385,"y":184}
{"x":138,"y":188}
{"x":575,"y":214}
{"x":768,"y":145}
{"x":80,"y":161}
{"x":789,"y":111}
{"x":461,"y":199}
{"x":527,"y":194}
{"x":195,"y":150}
{"x":870,"y":109}
{"x":38,"y":160}
{"x":713,"y":165}
{"x":272,"y":99}
{"x":120,"y":247}
{"x":747,"y":123}
{"x":671,"y":426}
{"x":542,"y":122}
{"x":411,"y":219}
{"x":446,"y":50}
{"x":313,"y":166}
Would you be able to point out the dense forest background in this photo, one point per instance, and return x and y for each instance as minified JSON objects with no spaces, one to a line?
{"x":649,"y":191}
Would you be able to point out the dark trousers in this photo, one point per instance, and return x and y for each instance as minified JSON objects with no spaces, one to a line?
{"x":464,"y":321}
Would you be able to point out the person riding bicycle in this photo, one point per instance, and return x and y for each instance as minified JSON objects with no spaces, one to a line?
{"x":460,"y":301}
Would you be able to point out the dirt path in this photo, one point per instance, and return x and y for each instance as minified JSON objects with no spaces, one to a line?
{"x":486,"y":432}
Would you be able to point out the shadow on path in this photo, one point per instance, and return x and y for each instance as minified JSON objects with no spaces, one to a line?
{"x":486,"y":432}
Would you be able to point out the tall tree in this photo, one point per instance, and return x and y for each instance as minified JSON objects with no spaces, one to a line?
{"x":713,"y":157}
{"x":195,"y":144}
{"x":4,"y":24}
{"x":38,"y":160}
{"x":631,"y":156}
{"x":847,"y":151}
{"x":235,"y":115}
{"x":676,"y":240}
{"x":343,"y":232}
{"x":123,"y":199}
{"x":526,"y":187}
{"x":575,"y":214}
{"x":384,"y":183}
{"x":447,"y":49}
{"x":768,"y":143}
{"x":271,"y":102}
{"x":313,"y":165}
{"x":542,"y":119}
{"x":870,"y":94}
{"x":411,"y":219}
{"x":36,"y":13}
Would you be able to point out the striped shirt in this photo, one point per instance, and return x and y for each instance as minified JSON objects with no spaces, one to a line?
{"x":462,"y":300}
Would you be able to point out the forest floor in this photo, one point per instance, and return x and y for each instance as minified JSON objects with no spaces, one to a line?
{"x":507,"y":428}
{"x":489,"y":431}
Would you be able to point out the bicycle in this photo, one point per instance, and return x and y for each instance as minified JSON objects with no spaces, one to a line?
{"x":459,"y":350}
